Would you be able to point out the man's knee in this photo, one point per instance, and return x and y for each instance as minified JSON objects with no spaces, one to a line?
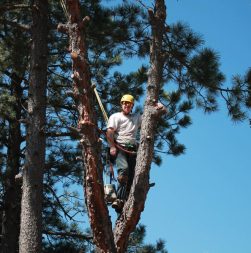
{"x":122,"y":179}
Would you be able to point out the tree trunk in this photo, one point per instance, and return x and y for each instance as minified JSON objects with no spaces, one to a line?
{"x":93,"y":183}
{"x":12,"y":189}
{"x":32,"y":195}
{"x":135,"y":203}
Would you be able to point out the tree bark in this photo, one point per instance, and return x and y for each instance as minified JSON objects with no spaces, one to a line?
{"x":32,"y":195}
{"x":137,"y":197}
{"x":93,"y":183}
{"x":12,"y":189}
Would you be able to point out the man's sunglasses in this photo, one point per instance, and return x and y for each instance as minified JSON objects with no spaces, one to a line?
{"x":126,"y":103}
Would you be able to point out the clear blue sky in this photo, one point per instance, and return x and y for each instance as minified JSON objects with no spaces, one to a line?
{"x":202,"y":201}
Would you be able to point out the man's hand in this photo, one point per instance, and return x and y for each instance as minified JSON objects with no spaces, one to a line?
{"x":110,"y":139}
{"x":113,"y":151}
{"x":160,"y":106}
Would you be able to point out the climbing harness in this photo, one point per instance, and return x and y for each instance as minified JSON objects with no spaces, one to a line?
{"x":122,"y":148}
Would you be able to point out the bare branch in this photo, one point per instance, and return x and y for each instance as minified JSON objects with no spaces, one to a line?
{"x":9,"y":7}
{"x":69,"y":234}
{"x":16,"y":24}
{"x":59,"y":202}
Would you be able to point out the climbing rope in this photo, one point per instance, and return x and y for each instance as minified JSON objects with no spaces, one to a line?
{"x":100,"y":103}
{"x":64,"y":9}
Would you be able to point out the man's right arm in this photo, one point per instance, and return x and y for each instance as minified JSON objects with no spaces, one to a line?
{"x":110,"y":139}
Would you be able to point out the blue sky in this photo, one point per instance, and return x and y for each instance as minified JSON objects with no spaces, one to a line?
{"x":202,"y":200}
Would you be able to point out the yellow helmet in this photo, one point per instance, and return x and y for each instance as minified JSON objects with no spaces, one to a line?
{"x":127,"y":98}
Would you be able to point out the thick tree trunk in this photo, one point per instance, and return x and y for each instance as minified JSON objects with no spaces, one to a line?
{"x":12,"y":189}
{"x":135,"y":203}
{"x":93,"y":183}
{"x":31,"y":206}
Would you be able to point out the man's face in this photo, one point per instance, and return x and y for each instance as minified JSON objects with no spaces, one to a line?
{"x":126,"y":107}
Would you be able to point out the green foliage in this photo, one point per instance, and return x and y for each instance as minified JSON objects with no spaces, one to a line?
{"x":6,"y":105}
{"x":204,"y":69}
{"x":137,"y":245}
{"x":238,"y":97}
{"x":65,"y":246}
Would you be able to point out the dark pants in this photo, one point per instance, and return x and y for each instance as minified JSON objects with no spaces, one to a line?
{"x":125,"y":163}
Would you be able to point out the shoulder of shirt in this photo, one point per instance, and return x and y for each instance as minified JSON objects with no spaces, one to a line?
{"x":116,"y":114}
{"x":120,"y":114}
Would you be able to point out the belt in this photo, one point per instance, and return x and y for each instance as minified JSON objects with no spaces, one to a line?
{"x":129,"y":147}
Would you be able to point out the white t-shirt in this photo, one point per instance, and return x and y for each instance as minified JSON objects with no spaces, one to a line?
{"x":125,"y":127}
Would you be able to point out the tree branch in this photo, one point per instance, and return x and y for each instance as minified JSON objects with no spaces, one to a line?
{"x":16,"y":24}
{"x":69,"y":234}
{"x":93,"y":184}
{"x":59,"y":202}
{"x":9,"y":7}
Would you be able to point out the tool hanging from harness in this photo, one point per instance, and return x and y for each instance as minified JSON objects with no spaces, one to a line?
{"x":109,"y":187}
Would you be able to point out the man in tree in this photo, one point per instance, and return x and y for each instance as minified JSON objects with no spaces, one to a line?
{"x":122,"y":129}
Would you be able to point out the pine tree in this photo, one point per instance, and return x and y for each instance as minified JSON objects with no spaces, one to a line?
{"x":13,"y":66}
{"x":32,"y":188}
